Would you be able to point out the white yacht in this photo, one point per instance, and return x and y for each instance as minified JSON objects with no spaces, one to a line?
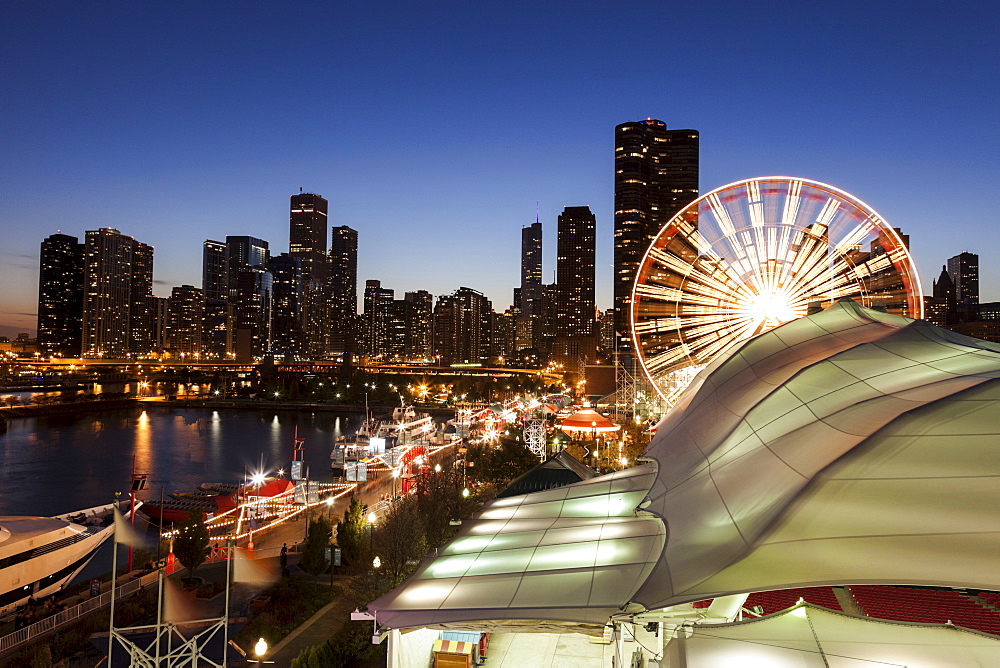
{"x":40,"y":555}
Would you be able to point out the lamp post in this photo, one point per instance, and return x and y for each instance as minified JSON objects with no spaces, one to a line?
{"x":371,"y":532}
{"x":597,"y":454}
{"x":260,"y":650}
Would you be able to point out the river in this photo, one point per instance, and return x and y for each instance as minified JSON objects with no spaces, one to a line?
{"x":55,"y":464}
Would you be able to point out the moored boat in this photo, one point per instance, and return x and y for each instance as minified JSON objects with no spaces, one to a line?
{"x":40,"y":555}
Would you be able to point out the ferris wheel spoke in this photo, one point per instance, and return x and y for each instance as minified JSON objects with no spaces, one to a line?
{"x":752,"y":255}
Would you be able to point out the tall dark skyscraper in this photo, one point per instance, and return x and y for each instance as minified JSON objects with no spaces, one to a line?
{"x":60,"y":295}
{"x":118,"y":278}
{"x":419,"y":311}
{"x":531,"y":268}
{"x":463,"y":327}
{"x":185,"y":320}
{"x":307,"y":241}
{"x":286,"y":287}
{"x":576,"y":245}
{"x":656,"y":175}
{"x":343,"y":290}
{"x":244,"y":252}
{"x":307,"y":234}
{"x":376,"y":302}
{"x":964,"y":272}
{"x":251,"y":332}
{"x":214,"y":276}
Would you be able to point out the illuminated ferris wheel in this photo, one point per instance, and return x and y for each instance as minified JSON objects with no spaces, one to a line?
{"x":752,"y":255}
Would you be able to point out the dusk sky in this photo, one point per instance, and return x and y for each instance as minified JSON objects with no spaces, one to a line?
{"x":432,"y":128}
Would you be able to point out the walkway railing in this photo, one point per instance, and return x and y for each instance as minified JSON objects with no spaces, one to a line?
{"x":43,"y":626}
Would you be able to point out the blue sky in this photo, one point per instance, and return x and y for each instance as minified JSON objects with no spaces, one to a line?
{"x":434,"y":128}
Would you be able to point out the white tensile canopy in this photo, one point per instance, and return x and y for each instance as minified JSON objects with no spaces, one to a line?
{"x":806,"y":637}
{"x":847,"y":447}
{"x":571,"y":554}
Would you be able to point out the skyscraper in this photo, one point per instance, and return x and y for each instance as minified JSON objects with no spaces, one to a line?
{"x":307,"y":234}
{"x":286,"y":286}
{"x":215,"y":288}
{"x":576,"y":245}
{"x":60,"y":295}
{"x":463,"y":327}
{"x":118,"y":276}
{"x":656,"y":175}
{"x":141,"y":311}
{"x":214,"y":277}
{"x":531,"y":268}
{"x":249,"y":303}
{"x":307,"y":242}
{"x":185,"y":320}
{"x":419,"y":311}
{"x":964,"y":272}
{"x":343,"y":291}
{"x":376,"y":301}
{"x":252,"y":314}
{"x":244,"y":252}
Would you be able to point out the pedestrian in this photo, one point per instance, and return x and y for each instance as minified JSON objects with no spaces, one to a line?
{"x":284,"y":559}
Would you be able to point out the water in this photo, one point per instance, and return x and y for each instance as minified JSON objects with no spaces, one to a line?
{"x":56,"y":464}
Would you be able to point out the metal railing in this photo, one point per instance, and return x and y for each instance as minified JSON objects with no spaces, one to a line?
{"x":53,"y":622}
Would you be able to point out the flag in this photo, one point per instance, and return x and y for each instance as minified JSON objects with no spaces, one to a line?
{"x":125,"y":534}
{"x":178,"y":606}
{"x":253,"y":571}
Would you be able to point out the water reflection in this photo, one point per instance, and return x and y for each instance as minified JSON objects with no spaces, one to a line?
{"x":52,"y":465}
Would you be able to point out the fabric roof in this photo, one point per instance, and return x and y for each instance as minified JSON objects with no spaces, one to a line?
{"x":846,"y":447}
{"x":557,"y":471}
{"x":849,"y":446}
{"x":807,"y":636}
{"x":588,"y":420}
{"x":569,"y":554}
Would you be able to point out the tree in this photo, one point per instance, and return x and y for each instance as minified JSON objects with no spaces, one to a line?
{"x":314,"y":548}
{"x":351,"y":532}
{"x":399,"y":538}
{"x":191,"y":543}
{"x":499,"y":465}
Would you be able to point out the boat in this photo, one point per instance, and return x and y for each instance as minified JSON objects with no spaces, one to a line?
{"x":213,"y":498}
{"x":40,"y":555}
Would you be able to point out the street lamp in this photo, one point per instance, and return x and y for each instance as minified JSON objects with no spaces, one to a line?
{"x":259,"y":650}
{"x":597,"y":453}
{"x":371,"y":531}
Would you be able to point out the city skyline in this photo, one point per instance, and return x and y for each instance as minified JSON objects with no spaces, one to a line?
{"x":178,"y":146}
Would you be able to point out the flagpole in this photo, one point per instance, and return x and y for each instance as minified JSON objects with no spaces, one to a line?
{"x":114,"y":578}
{"x":230,"y":555}
{"x":131,"y":495}
{"x":159,"y":611}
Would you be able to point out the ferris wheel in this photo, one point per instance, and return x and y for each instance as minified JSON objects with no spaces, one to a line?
{"x":752,"y":255}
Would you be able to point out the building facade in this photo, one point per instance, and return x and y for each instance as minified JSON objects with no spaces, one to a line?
{"x":60,"y":296}
{"x":185,"y":321}
{"x":118,"y":276}
{"x":307,"y":225}
{"x":463,"y":327}
{"x":576,"y":247}
{"x":286,"y":288}
{"x":343,"y":291}
{"x":214,"y":275}
{"x":656,"y":175}
{"x":531,"y":268}
{"x":964,"y":271}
